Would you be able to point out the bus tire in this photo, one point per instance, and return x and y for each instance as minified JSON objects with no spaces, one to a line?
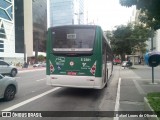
{"x":106,"y":77}
{"x":106,"y":85}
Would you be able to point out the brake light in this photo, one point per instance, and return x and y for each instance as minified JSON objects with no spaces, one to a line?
{"x":51,"y":67}
{"x":93,"y":69}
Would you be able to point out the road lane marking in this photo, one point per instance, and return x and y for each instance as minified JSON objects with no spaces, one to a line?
{"x":140,"y":90}
{"x":30,"y":100}
{"x":131,"y":78}
{"x":117,"y":99}
{"x":40,"y":79}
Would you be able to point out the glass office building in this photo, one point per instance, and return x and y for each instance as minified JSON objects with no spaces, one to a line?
{"x":39,"y":25}
{"x":7,"y":32}
{"x":65,"y":12}
{"x":23,"y":26}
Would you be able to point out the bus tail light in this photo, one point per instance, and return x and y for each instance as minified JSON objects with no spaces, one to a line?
{"x":93,"y":69}
{"x":51,"y":68}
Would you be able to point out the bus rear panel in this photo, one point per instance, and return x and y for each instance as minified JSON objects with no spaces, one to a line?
{"x":74,"y":57}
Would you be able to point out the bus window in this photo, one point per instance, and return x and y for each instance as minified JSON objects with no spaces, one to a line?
{"x":73,"y":40}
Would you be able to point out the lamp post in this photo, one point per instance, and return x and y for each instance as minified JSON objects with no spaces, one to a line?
{"x":25,"y":57}
{"x":37,"y":46}
{"x":152,"y":35}
{"x":78,"y":14}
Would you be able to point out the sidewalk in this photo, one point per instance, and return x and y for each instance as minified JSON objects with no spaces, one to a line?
{"x":30,"y":68}
{"x":134,"y":87}
{"x":144,"y":84}
{"x":144,"y":66}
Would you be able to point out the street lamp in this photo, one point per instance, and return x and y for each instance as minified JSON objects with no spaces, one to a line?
{"x":78,"y":14}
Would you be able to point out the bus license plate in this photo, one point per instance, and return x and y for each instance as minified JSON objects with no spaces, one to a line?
{"x":71,"y":73}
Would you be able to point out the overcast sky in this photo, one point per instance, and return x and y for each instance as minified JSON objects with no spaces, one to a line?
{"x":107,"y":13}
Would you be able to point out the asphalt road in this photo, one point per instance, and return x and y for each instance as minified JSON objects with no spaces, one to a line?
{"x":34,"y":95}
{"x":30,"y":84}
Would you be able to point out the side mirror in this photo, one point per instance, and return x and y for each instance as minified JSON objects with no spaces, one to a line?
{"x":153,"y":59}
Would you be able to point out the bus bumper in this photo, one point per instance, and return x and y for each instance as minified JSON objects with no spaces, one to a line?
{"x":75,"y":81}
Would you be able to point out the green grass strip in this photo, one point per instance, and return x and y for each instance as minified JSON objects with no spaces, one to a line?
{"x":154,"y":101}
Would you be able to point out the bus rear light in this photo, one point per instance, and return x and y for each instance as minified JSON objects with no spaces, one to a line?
{"x":93,"y":69}
{"x":51,"y":68}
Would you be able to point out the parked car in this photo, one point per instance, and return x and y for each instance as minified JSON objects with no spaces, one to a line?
{"x":6,"y":68}
{"x":126,"y":64}
{"x":117,"y":61}
{"x":43,"y":65}
{"x":37,"y":65}
{"x":8,"y":87}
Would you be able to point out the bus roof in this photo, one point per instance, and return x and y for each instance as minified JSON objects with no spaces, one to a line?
{"x":74,"y":26}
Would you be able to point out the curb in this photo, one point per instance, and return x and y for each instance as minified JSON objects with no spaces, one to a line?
{"x":147,"y":107}
{"x":31,"y":70}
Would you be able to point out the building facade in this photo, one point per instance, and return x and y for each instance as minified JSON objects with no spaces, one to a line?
{"x":23,"y":26}
{"x":7,"y":31}
{"x":65,"y":12}
{"x":39,"y":25}
{"x":156,"y":40}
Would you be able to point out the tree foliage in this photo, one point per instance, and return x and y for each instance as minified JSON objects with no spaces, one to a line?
{"x":150,"y":10}
{"x":126,"y":40}
{"x":41,"y":58}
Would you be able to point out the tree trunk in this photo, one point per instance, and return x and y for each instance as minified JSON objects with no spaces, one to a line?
{"x":122,"y":57}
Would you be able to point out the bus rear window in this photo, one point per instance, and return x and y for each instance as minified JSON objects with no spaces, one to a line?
{"x":73,"y":39}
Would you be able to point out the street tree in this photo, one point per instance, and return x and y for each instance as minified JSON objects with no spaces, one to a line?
{"x":119,"y":41}
{"x":41,"y":58}
{"x":149,"y":9}
{"x":138,"y":38}
{"x":128,"y":39}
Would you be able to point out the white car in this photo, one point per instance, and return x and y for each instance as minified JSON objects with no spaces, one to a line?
{"x":126,"y":64}
{"x":6,"y":68}
{"x":8,"y":87}
{"x":37,"y":65}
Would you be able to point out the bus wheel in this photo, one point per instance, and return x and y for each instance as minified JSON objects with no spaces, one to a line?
{"x":106,"y":77}
{"x":106,"y":85}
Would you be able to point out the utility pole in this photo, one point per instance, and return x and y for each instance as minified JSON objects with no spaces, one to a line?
{"x":37,"y":46}
{"x":152,"y":35}
{"x":24,"y":52}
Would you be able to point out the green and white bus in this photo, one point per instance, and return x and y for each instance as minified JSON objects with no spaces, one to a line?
{"x":78,"y":56}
